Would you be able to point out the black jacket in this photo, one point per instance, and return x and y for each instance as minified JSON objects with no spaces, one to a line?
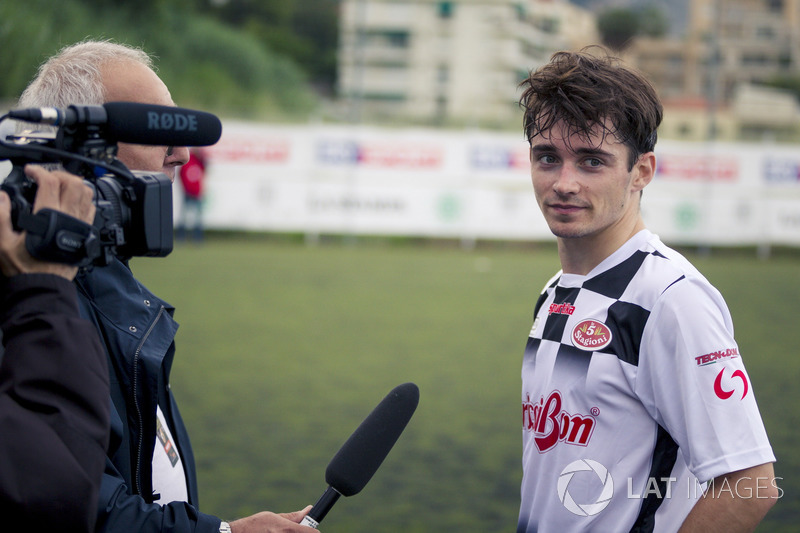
{"x":138,"y":330}
{"x":54,"y":409}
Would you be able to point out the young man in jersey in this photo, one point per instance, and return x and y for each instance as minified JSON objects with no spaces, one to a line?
{"x":634,"y":395}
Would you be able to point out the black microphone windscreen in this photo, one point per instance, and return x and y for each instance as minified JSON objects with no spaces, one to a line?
{"x":359,"y":458}
{"x":161,"y":125}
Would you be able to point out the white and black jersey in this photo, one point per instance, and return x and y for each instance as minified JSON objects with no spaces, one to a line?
{"x":633,"y":389}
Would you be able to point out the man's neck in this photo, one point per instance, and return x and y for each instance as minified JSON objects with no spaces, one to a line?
{"x":581,"y":255}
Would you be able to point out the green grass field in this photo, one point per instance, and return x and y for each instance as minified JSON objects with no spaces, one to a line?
{"x":284,"y":349}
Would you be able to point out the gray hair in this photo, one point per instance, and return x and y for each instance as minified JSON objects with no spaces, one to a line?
{"x":73,"y":77}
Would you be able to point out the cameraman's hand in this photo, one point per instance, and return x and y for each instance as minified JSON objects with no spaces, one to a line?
{"x":267,"y":522}
{"x":57,"y":190}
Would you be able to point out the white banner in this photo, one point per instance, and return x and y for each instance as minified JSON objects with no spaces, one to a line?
{"x":474,"y":185}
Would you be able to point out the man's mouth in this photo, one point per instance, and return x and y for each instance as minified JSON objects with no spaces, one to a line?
{"x":564,"y":209}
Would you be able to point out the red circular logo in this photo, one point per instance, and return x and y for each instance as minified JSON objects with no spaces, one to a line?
{"x":724,"y":394}
{"x":591,"y":335}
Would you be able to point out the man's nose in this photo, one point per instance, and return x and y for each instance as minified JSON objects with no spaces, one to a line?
{"x":176,"y":155}
{"x":567,"y":181}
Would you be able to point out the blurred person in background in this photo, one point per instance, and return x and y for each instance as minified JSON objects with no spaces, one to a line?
{"x":54,"y":408}
{"x":631,"y":377}
{"x":150,"y":481}
{"x":192,"y":174}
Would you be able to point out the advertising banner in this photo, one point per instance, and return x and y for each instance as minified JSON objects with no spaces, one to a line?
{"x":476,"y":185}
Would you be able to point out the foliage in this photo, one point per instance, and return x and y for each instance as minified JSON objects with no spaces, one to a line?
{"x":29,"y":32}
{"x":305,"y":30}
{"x":204,"y":62}
{"x":236,"y":73}
{"x":619,"y":25}
{"x":652,"y":21}
{"x":788,"y":82}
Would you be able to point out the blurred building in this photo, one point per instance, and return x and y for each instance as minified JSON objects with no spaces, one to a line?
{"x":714,"y":78}
{"x":449,"y":62}
{"x":459,"y":62}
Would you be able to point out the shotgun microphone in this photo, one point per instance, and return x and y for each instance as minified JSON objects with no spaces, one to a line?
{"x":359,"y":458}
{"x":133,"y":122}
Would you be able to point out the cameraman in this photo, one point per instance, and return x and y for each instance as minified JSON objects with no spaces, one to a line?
{"x":150,"y":481}
{"x":54,"y":408}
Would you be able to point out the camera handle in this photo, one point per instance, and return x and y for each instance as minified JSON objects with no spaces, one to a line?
{"x":59,"y":238}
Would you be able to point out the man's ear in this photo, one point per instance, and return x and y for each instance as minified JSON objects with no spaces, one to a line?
{"x":644,"y":170}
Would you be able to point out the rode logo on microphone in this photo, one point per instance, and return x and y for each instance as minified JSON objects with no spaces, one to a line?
{"x":551,"y":425}
{"x":171,"y":121}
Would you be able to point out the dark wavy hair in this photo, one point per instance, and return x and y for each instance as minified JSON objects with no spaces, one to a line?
{"x":583,"y":91}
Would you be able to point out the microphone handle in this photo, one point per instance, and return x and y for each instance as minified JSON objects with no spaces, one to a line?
{"x":321,"y":508}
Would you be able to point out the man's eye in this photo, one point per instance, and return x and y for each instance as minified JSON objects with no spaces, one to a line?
{"x":593,"y":162}
{"x":547,"y":159}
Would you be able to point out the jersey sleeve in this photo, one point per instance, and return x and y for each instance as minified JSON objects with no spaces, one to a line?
{"x":693,"y":381}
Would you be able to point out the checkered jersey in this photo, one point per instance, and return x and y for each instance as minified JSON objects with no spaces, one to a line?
{"x":632,"y":390}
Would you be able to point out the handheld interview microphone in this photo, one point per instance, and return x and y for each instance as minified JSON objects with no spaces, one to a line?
{"x":359,"y":458}
{"x":132,"y":122}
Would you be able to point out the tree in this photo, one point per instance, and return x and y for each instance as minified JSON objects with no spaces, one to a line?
{"x":206,"y":64}
{"x":307,"y":31}
{"x":652,"y":21}
{"x":787,"y":81}
{"x":617,"y":27}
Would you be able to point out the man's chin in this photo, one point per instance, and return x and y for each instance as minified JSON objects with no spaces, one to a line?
{"x":567,"y":231}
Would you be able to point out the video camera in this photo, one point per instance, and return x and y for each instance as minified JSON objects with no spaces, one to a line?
{"x":133,"y":208}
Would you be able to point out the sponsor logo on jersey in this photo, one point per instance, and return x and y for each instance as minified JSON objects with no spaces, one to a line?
{"x":550,"y":424}
{"x":713,"y":357}
{"x":561,"y":309}
{"x":591,"y":335}
{"x":732,"y":383}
